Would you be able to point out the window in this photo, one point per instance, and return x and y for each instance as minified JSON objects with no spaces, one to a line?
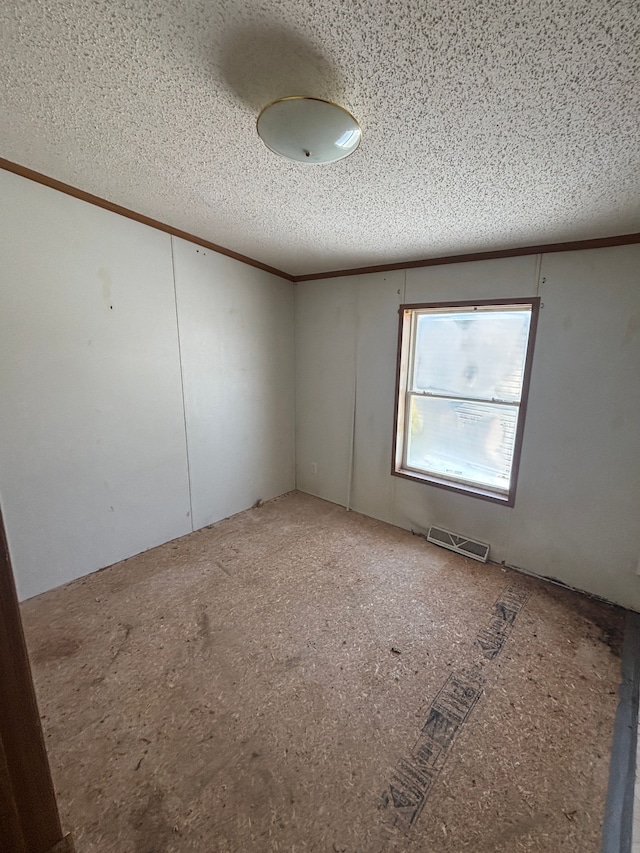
{"x":463,"y":378}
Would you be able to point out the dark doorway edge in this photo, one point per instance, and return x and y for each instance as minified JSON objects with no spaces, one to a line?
{"x":618,"y":815}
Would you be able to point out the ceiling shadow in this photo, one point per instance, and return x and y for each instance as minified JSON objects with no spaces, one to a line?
{"x":263,"y":63}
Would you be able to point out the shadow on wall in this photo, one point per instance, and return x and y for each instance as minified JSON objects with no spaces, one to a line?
{"x":263,"y":63}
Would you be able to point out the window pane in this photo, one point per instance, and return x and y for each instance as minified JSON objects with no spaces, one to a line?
{"x":466,"y":441}
{"x":478,"y":354}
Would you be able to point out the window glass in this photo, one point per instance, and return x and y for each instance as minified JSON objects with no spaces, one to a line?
{"x":479,"y":354}
{"x":468,"y":441}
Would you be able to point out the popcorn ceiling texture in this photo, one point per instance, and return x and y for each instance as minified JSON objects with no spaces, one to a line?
{"x":485,"y":125}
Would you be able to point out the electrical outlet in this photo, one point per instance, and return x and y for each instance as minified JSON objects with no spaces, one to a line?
{"x":314,"y":468}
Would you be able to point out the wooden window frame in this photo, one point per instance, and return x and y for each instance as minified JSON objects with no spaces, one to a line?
{"x":405,"y":315}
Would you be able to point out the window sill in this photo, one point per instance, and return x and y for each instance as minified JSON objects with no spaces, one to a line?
{"x":452,"y":486}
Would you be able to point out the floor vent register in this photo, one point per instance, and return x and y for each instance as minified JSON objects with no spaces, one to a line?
{"x":459,"y":544}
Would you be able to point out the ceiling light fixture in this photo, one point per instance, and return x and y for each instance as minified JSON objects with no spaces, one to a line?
{"x":308,"y":130}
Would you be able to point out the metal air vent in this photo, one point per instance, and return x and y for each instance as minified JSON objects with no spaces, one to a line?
{"x":459,"y":544}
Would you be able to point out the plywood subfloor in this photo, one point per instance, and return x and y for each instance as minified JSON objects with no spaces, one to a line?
{"x":300,"y":678}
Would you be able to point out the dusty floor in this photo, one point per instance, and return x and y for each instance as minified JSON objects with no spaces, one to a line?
{"x":238,"y":690}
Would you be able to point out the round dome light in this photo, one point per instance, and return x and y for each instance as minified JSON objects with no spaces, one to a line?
{"x":308,"y":130}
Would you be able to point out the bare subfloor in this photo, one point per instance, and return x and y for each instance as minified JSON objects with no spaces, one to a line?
{"x":300,"y":678}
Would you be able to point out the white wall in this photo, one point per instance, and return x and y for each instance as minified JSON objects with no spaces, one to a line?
{"x":325,"y":376}
{"x":236,"y":339}
{"x":93,"y":450}
{"x":577,"y":505}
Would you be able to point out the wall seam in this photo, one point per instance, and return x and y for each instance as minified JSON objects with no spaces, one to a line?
{"x":184,"y":405}
{"x":295,"y":386}
{"x":508,"y":539}
{"x":356,"y":287}
{"x":538,"y":273}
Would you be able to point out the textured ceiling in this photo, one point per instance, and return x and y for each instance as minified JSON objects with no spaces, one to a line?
{"x":487,"y":124}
